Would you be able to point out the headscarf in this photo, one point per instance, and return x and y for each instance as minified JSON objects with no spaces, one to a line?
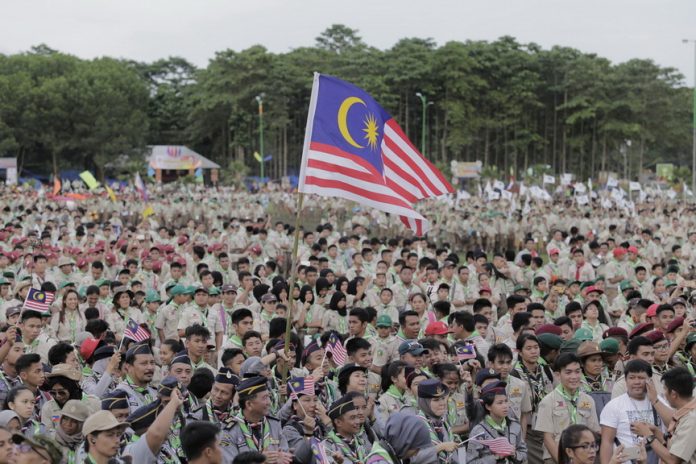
{"x":333,"y":304}
{"x":7,"y":415}
{"x":405,"y":432}
{"x":424,"y":405}
{"x":303,"y":293}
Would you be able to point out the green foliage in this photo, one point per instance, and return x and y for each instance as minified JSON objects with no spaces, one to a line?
{"x":510,"y":105}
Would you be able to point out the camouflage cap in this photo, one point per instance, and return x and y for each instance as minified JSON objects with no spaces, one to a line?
{"x":43,"y":445}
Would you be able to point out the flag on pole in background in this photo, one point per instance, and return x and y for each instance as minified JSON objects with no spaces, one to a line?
{"x":89,"y":180}
{"x":355,"y":150}
{"x":111,"y":193}
{"x":148,"y":211}
{"x":38,"y":300}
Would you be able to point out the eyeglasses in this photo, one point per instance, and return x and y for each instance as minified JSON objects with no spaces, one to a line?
{"x":587,"y":446}
{"x":661,"y":347}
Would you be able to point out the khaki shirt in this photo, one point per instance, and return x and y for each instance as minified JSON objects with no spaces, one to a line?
{"x":554,"y":415}
{"x":520,"y":397}
{"x":168,"y":320}
{"x":682,"y":443}
{"x":385,"y":351}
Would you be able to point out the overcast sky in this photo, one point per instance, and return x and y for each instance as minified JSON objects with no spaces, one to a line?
{"x":149,"y":29}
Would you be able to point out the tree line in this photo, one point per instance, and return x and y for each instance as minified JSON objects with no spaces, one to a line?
{"x":508,"y":104}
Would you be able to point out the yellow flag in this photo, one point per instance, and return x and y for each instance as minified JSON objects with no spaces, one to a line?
{"x":89,"y":180}
{"x":148,"y":211}
{"x":111,"y":193}
{"x":258,"y":156}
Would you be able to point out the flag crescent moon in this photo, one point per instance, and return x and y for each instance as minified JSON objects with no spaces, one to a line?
{"x":343,"y":119}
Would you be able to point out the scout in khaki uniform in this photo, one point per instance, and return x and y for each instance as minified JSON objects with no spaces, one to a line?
{"x":167,"y":320}
{"x":196,"y":312}
{"x":566,"y":405}
{"x":385,"y":347}
{"x":359,"y":351}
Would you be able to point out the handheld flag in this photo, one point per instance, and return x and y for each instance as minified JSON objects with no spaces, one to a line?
{"x":148,"y":211}
{"x":56,"y":185}
{"x":465,"y":352}
{"x":499,"y":446}
{"x":319,"y":451}
{"x":111,"y":193}
{"x":301,"y":385}
{"x":354,"y":149}
{"x":135,"y":332}
{"x":337,"y":350}
{"x":140,"y":186}
{"x":89,"y":180}
{"x":38,"y":300}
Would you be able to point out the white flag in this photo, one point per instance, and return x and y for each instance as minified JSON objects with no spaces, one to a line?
{"x":611,"y":182}
{"x":549,"y":179}
{"x":507,"y":195}
{"x":633,"y":186}
{"x":589,"y":183}
{"x":498,"y":185}
{"x":583,"y":200}
{"x":566,"y":179}
{"x":580,"y":187}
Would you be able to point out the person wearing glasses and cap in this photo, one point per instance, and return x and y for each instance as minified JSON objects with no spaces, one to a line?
{"x":253,"y":429}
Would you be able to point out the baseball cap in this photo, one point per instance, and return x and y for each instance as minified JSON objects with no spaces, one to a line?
{"x":411,"y":347}
{"x":583,"y":334}
{"x":652,"y":310}
{"x":384,"y":321}
{"x":229,"y":288}
{"x":100,"y":421}
{"x":609,"y":345}
{"x":75,"y":409}
{"x":554,"y":251}
{"x":437,"y":328}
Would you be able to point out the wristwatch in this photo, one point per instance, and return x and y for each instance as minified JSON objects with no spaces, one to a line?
{"x":649,"y":439}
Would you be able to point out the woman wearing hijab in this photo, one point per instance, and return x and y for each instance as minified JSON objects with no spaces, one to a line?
{"x":68,"y":431}
{"x":404,"y":436}
{"x":336,"y":318}
{"x":356,"y":293}
{"x":10,"y":420}
{"x":432,"y":409}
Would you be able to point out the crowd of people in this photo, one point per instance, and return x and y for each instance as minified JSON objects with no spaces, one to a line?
{"x":566,"y":336}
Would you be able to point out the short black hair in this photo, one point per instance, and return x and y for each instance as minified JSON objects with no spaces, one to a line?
{"x":251,"y":334}
{"x":565,"y":359}
{"x":519,"y":320}
{"x":201,"y":383}
{"x":240,"y":314}
{"x":679,"y":380}
{"x":230,"y":353}
{"x":463,"y":319}
{"x":30,"y":314}
{"x":636,"y":366}
{"x":59,"y":352}
{"x":405,"y":314}
{"x":174,"y":345}
{"x":481,"y":303}
{"x":637,"y":342}
{"x":249,"y":457}
{"x":197,"y":329}
{"x":25,"y":361}
{"x":499,"y":350}
{"x":196,"y":436}
{"x":355,"y":344}
{"x":523,"y":338}
{"x":361,"y":314}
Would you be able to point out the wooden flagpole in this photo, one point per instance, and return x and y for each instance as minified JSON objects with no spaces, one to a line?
{"x":291,"y":284}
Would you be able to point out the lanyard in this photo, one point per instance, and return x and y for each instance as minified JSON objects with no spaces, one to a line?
{"x":572,"y":403}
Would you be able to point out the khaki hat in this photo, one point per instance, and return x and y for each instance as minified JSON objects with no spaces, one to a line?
{"x":65,"y":370}
{"x":75,"y":409}
{"x":101,"y":421}
{"x":42,"y":444}
{"x":22,"y":284}
{"x":589,"y":348}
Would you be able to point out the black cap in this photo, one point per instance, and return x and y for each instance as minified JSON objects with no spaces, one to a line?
{"x":226,"y":376}
{"x":252,"y":385}
{"x":341,"y":406}
{"x":181,"y":357}
{"x":117,"y":399}
{"x":432,"y":388}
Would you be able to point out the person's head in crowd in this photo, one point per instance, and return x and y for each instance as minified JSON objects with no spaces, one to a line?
{"x":641,"y":348}
{"x":232,"y":358}
{"x":102,"y":433}
{"x":223,"y":389}
{"x":500,"y":359}
{"x":139,"y":364}
{"x":7,"y":447}
{"x":21,"y":400}
{"x":637,"y":373}
{"x":481,"y":324}
{"x":593,"y":313}
{"x":461,"y":325}
{"x":30,"y":371}
{"x":574,"y":311}
{"x":168,"y":349}
{"x":63,"y":353}
{"x":528,"y":349}
{"x":358,"y":320}
{"x":359,"y":351}
{"x":538,"y":313}
{"x":678,"y":387}
{"x":254,"y":398}
{"x":578,"y":445}
{"x":30,"y":325}
{"x":495,"y":401}
{"x":449,"y":375}
{"x":442,"y":309}
{"x":569,"y":370}
{"x":252,"y":343}
{"x":200,"y":443}
{"x":180,"y":368}
{"x":63,"y":383}
{"x":201,"y":384}
{"x":664,"y":315}
{"x":660,"y":346}
{"x":566,"y":326}
{"x":197,"y":338}
{"x":483,"y":307}
{"x":515,"y":304}
{"x":117,"y":403}
{"x":394,"y":377}
{"x":521,"y":323}
{"x":409,"y":322}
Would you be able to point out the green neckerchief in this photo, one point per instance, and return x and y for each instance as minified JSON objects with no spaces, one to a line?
{"x":500,"y":428}
{"x":357,"y":456}
{"x":265,"y":317}
{"x":475,"y":333}
{"x":395,"y":393}
{"x":235,"y":340}
{"x":137,"y":389}
{"x":251,"y":440}
{"x":203,"y":312}
{"x":572,"y":403}
{"x":687,"y":361}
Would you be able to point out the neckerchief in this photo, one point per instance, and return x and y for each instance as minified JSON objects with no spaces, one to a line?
{"x":252,"y":441}
{"x":437,"y":434}
{"x":661,"y":369}
{"x":214,"y":415}
{"x":596,"y":384}
{"x":353,"y":451}
{"x":500,"y":428}
{"x":201,"y":312}
{"x":395,"y":393}
{"x":572,"y":402}
{"x":537,"y":382}
{"x":142,"y":390}
{"x":687,"y":361}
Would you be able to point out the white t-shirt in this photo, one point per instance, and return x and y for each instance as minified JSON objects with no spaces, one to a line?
{"x":623,"y":410}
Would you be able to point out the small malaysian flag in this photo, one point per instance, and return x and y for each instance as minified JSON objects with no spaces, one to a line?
{"x":38,"y":300}
{"x":337,"y":350}
{"x":301,"y":385}
{"x":499,"y":446}
{"x":319,"y":451}
{"x":136,"y":332}
{"x":465,"y":352}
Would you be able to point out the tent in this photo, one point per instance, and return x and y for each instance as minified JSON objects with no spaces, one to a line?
{"x":164,"y":160}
